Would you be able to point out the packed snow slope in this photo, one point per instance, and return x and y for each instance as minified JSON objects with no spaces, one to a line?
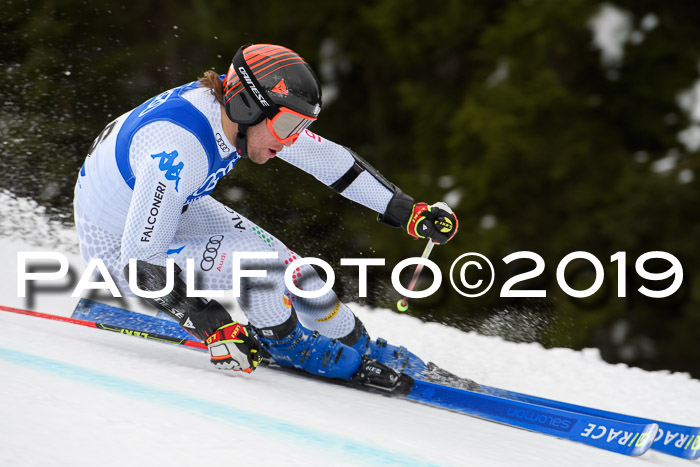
{"x":77,"y":396}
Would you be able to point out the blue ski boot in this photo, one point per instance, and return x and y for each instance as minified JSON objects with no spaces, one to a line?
{"x":401,"y":360}
{"x":292,"y":345}
{"x":396,"y":358}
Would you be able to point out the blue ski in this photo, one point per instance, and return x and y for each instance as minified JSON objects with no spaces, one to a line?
{"x":630,"y":438}
{"x":676,"y":440}
{"x":607,"y":430}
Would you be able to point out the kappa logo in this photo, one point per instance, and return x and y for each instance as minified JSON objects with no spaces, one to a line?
{"x":281,"y":88}
{"x":175,"y":251}
{"x":167,"y":164}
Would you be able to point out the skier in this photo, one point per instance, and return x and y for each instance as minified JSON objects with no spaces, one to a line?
{"x":143,"y":192}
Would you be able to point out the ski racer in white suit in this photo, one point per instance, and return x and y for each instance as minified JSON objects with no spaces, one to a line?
{"x":144,"y":192}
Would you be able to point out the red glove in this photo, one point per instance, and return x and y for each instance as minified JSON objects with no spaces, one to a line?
{"x":436,"y":222}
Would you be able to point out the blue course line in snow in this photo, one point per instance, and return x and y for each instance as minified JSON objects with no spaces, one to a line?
{"x":365,"y":453}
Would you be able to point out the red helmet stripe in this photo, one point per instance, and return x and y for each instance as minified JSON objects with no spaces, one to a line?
{"x":263,"y":60}
{"x":230,"y":88}
{"x":272,"y":71}
{"x":256,"y":55}
{"x":264,"y":48}
{"x":261,"y":48}
{"x":258,"y":70}
{"x":255,"y":68}
{"x":270,"y":52}
{"x":234,"y":94}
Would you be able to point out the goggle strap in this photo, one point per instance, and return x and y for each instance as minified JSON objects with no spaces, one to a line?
{"x":242,"y":140}
{"x":251,"y":84}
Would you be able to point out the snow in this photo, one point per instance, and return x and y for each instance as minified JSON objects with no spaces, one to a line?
{"x":611,"y":28}
{"x":78,"y":396}
{"x":689,"y":101}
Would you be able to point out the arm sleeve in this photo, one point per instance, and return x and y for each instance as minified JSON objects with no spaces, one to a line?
{"x":330,"y":162}
{"x":169,"y":164}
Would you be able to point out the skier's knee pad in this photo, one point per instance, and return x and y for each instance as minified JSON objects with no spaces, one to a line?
{"x":292,"y":345}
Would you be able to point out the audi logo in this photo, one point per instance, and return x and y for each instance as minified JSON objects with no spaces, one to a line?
{"x":211,"y":251}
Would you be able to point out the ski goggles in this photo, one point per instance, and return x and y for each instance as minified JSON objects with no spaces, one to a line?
{"x":287,"y":125}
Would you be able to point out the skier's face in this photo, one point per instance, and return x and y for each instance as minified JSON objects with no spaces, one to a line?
{"x":262,"y":145}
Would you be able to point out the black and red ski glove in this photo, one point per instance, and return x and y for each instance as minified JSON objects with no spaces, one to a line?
{"x":436,"y":222}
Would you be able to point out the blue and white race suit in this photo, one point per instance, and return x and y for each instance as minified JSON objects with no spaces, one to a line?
{"x":144,"y":193}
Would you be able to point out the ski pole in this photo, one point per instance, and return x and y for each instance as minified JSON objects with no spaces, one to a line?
{"x":402,"y":304}
{"x":112,"y":327}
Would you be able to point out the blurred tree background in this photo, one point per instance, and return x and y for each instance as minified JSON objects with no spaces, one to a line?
{"x":549,"y":126}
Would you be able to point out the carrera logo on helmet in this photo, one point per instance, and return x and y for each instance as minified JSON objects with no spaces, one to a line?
{"x":252,"y":87}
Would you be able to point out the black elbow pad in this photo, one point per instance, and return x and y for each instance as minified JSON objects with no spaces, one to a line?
{"x":360,"y":165}
{"x":400,"y":206}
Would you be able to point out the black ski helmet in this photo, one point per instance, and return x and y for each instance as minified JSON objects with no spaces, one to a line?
{"x":280,"y":77}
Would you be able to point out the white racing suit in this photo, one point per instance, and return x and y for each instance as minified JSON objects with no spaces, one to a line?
{"x":144,"y":193}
